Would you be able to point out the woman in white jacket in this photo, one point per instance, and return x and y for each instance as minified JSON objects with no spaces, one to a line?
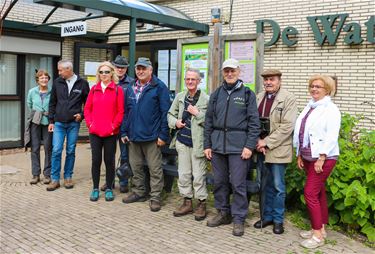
{"x":316,"y":141}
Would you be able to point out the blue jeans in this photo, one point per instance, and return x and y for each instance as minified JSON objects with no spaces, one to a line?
{"x":124,"y":157}
{"x":62,"y":130}
{"x":275,"y":193}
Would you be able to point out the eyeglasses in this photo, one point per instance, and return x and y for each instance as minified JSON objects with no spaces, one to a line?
{"x":191,"y":79}
{"x":104,"y":72}
{"x":316,"y":86}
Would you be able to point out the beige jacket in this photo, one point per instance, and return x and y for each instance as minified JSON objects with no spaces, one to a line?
{"x":197,"y":122}
{"x":283,"y":115}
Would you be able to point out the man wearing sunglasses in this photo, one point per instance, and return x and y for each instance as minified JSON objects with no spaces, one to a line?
{"x":147,"y":131}
{"x":69,"y":92}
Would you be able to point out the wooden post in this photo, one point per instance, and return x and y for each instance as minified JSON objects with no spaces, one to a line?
{"x":214,"y":75}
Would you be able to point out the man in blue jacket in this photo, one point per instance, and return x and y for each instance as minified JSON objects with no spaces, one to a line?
{"x":230,"y":135}
{"x":147,"y":130}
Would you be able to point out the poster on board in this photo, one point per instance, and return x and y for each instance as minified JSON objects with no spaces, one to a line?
{"x":245,"y":52}
{"x":195,"y":56}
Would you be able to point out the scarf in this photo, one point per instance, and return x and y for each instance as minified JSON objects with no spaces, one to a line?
{"x":315,"y":114}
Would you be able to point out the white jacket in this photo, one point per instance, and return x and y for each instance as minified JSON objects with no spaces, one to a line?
{"x":321,"y":129}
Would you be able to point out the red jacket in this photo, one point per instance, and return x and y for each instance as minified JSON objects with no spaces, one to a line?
{"x":104,"y":111}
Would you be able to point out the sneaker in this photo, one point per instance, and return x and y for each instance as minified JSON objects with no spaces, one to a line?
{"x":68,"y":183}
{"x":312,"y":243}
{"x":35,"y":180}
{"x":47,"y":180}
{"x":109,"y":195}
{"x":222,"y":218}
{"x":309,"y":233}
{"x":54,"y":185}
{"x":133,"y":198}
{"x":94,"y":195}
{"x":155,"y":206}
{"x":238,"y":229}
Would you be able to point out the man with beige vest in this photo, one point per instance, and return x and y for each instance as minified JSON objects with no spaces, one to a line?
{"x":277,"y":111}
{"x":187,"y":115}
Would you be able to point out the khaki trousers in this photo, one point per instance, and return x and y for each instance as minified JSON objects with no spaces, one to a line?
{"x":149,"y":151}
{"x":190,"y":166}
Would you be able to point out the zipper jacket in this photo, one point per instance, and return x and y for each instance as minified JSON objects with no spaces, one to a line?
{"x":232,"y":120}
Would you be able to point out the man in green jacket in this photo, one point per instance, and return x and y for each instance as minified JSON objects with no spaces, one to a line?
{"x":187,"y":115}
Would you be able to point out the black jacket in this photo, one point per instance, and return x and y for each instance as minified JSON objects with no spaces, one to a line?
{"x":232,"y":120}
{"x":63,"y":106}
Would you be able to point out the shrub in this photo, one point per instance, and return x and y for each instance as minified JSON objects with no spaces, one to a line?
{"x":351,"y":186}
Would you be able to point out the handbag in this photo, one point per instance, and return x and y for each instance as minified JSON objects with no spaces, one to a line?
{"x":124,"y":171}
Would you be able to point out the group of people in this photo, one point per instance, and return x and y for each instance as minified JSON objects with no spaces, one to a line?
{"x":231,"y":128}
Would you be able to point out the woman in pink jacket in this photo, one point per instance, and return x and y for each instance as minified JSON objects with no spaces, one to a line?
{"x":104,"y":110}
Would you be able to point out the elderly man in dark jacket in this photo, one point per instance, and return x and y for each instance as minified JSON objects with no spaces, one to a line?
{"x":230,"y":136}
{"x":147,"y":130}
{"x":69,"y":92}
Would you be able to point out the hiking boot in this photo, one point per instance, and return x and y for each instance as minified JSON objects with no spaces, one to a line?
{"x":54,"y":185}
{"x":47,"y":180}
{"x":155,"y":206}
{"x":222,"y":218}
{"x":68,"y":183}
{"x":109,"y":195}
{"x":200,"y":212}
{"x":35,"y":180}
{"x":94,"y":195}
{"x":104,"y":187}
{"x":238,"y":229}
{"x":133,"y":198}
{"x":184,"y":209}
{"x":124,"y":189}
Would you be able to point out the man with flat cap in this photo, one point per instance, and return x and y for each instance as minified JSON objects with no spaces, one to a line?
{"x":121,"y":66}
{"x":277,"y":111}
{"x":147,"y":131}
{"x":230,"y":136}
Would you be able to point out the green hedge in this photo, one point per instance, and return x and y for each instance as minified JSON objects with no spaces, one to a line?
{"x":351,"y":186}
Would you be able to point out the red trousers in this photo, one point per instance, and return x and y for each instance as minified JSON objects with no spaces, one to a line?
{"x":315,"y":192}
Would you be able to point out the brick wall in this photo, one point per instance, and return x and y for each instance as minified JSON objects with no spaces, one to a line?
{"x":354,"y":66}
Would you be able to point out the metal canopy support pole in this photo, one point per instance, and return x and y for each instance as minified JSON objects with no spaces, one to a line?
{"x":133,"y":27}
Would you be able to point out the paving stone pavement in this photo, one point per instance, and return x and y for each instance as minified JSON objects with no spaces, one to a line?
{"x":33,"y":220}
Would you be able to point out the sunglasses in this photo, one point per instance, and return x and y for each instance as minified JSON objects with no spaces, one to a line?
{"x":104,"y":72}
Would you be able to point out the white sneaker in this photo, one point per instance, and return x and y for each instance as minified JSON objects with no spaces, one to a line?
{"x":309,"y":233}
{"x":312,"y":243}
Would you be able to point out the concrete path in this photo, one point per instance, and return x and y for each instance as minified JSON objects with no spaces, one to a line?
{"x":33,"y":220}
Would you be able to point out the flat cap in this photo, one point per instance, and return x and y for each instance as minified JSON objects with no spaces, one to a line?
{"x":121,"y":62}
{"x":270,"y":73}
{"x":143,"y":61}
{"x":231,"y":63}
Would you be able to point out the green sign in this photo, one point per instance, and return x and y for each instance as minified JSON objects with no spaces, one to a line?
{"x":325,"y":28}
{"x":195,"y":56}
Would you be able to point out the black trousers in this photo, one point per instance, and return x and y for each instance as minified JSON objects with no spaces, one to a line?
{"x":39,"y":134}
{"x":98,"y":144}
